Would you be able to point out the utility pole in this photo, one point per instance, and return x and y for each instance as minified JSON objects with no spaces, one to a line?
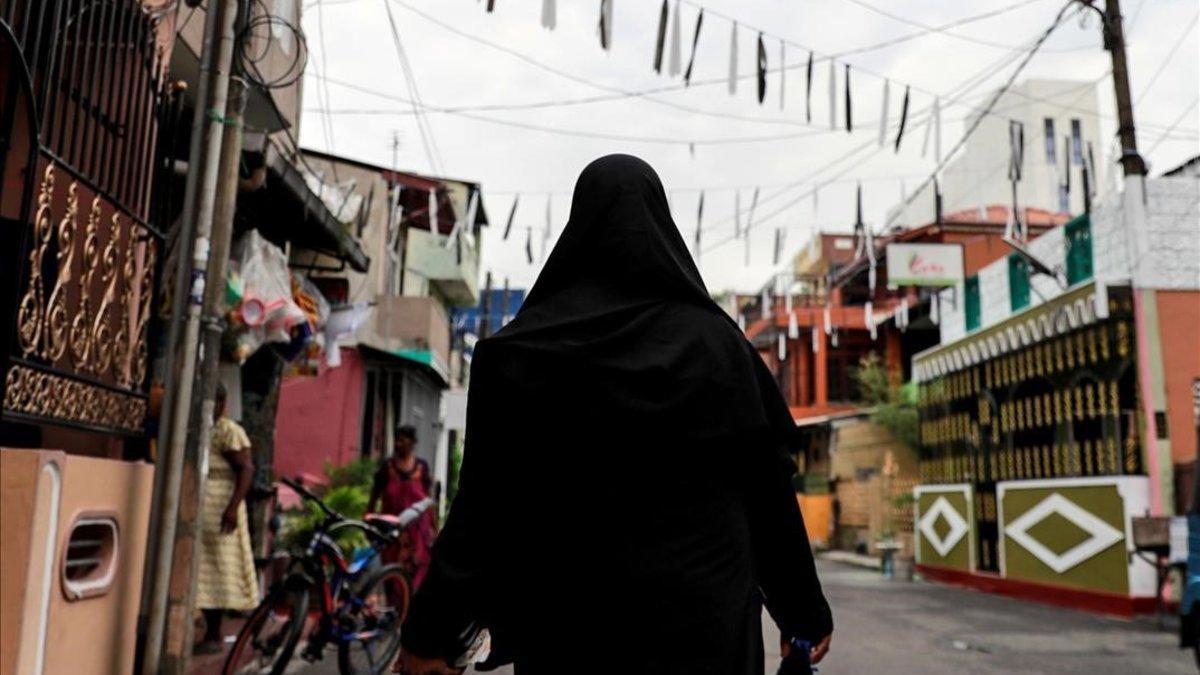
{"x":485,"y":306}
{"x":1133,"y":206}
{"x":185,"y":562}
{"x":208,"y":129}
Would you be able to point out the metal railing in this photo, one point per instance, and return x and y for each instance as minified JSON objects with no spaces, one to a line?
{"x":97,"y":68}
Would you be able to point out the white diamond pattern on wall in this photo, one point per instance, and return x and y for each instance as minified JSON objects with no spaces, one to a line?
{"x":1102,"y":535}
{"x":941,"y":508}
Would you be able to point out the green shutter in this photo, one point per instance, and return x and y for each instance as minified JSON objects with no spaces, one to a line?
{"x":1079,"y":249}
{"x":1018,"y":281}
{"x":971,"y":303}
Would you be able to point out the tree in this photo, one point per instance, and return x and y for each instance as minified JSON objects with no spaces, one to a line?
{"x":893,"y":407}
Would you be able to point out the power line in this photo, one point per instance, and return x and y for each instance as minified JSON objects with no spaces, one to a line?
{"x":709,"y":188}
{"x":936,"y":29}
{"x":1167,"y":59}
{"x":646,"y":94}
{"x":942,"y":30}
{"x":996,"y":97}
{"x":1179,"y":119}
{"x":410,"y":82}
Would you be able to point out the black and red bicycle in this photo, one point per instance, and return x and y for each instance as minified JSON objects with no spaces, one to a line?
{"x":359,"y":604}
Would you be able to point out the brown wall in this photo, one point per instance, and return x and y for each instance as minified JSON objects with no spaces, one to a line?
{"x":1179,"y":328}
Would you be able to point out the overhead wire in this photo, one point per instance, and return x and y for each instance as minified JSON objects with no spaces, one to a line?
{"x":646,"y":95}
{"x":968,"y":84}
{"x":423,"y":126}
{"x":1162,"y":66}
{"x":1058,"y":19}
{"x":980,"y":41}
{"x":1162,"y":137}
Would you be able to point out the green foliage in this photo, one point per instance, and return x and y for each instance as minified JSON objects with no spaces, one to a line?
{"x":360,"y":472}
{"x":895,"y":407}
{"x":455,"y":469}
{"x":348,"y":500}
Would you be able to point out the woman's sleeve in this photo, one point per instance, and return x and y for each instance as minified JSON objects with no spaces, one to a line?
{"x":451,"y":599}
{"x":784,"y":566}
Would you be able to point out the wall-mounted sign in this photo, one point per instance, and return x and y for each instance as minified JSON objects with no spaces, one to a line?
{"x":924,"y":264}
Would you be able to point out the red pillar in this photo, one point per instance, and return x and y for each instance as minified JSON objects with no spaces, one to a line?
{"x":802,"y":393}
{"x":821,"y":368}
{"x":893,"y":359}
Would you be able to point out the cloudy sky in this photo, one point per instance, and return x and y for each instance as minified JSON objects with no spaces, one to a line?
{"x":522,"y":109}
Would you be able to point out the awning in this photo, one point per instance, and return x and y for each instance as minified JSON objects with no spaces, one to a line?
{"x":286,"y":210}
{"x":422,"y":359}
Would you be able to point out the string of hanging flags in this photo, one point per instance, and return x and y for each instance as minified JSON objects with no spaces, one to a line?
{"x":668,"y":56}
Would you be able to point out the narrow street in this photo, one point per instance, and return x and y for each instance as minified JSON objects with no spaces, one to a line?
{"x":930,"y":629}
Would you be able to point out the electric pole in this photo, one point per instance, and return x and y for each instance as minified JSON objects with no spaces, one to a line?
{"x":1133,"y":206}
{"x":183,"y":345}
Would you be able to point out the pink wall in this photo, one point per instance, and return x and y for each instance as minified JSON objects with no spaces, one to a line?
{"x":319,"y":418}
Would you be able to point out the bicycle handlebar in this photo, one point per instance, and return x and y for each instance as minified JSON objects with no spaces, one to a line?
{"x":303,"y":492}
{"x":405,"y":518}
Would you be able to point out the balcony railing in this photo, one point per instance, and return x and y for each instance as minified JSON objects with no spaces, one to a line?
{"x":453,"y":270}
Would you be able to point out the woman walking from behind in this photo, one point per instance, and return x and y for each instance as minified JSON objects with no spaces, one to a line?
{"x":625,"y":503}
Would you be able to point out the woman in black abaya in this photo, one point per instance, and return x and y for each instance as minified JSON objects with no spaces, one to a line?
{"x":625,"y":505}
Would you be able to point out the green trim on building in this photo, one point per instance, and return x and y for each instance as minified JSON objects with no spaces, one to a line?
{"x":1018,"y":281}
{"x":1078,"y":236}
{"x":973,"y":308}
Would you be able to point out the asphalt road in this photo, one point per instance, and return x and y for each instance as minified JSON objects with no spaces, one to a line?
{"x":930,"y":629}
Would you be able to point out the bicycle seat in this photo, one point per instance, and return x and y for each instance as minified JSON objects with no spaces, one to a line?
{"x":385,"y":523}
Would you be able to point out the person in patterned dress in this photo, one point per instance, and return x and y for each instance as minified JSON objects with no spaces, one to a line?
{"x":403,"y":480}
{"x":226,"y":577}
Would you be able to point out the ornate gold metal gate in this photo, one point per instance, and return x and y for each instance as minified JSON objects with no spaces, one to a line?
{"x":83,"y":87}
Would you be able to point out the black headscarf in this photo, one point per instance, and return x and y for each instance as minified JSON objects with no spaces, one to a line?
{"x":624,"y":473}
{"x":621,"y":298}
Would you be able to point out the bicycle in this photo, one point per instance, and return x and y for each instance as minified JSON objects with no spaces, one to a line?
{"x":359,"y":608}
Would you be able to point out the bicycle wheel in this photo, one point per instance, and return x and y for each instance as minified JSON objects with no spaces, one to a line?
{"x":376,"y":613}
{"x":266,"y":643}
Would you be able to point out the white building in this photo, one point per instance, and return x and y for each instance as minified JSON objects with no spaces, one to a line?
{"x":1060,"y":119}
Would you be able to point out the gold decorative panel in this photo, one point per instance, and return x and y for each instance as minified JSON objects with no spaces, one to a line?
{"x":84,"y":308}
{"x":47,"y":395}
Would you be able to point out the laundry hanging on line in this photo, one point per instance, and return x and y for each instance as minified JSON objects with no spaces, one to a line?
{"x":687,"y":76}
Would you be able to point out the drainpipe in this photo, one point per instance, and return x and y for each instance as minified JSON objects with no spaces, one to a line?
{"x":207,"y":131}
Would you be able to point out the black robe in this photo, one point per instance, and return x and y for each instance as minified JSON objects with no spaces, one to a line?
{"x":625,"y":503}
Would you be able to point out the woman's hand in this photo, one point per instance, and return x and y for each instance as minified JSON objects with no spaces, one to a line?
{"x":815,"y":654}
{"x":229,"y":518}
{"x":821,"y":649}
{"x":411,"y":664}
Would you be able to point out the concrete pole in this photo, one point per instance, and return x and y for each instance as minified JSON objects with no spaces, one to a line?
{"x":181,"y":599}
{"x":1133,"y":205}
{"x":207,"y":130}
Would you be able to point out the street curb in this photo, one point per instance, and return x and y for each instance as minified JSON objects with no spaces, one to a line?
{"x":849,"y":558}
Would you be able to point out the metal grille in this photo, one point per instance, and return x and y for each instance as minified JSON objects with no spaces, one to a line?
{"x":97,"y":68}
